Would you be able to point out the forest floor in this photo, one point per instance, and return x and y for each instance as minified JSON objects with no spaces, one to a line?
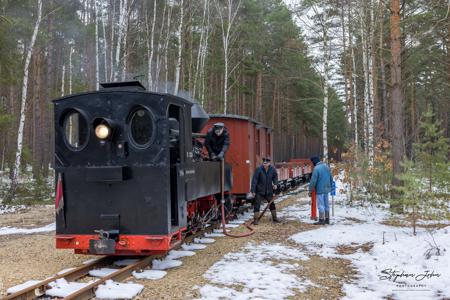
{"x":291,"y":260}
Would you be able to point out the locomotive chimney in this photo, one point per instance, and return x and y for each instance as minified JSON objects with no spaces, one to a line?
{"x":199,"y":117}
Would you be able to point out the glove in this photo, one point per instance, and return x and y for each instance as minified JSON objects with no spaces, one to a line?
{"x":220,"y":155}
{"x":274,"y":187}
{"x":309,"y":194}
{"x":213,"y":157}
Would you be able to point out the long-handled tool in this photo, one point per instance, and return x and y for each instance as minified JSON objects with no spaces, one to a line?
{"x":222,"y":204}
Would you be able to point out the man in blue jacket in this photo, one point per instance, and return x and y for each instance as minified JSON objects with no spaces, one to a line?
{"x":321,"y":182}
{"x":264,"y":180}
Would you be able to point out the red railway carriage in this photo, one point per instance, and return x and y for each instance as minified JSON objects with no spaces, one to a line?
{"x":250,"y":142}
{"x":305,"y":165}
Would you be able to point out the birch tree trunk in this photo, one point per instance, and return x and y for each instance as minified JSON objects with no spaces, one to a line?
{"x":122,"y":9}
{"x":166,"y":51}
{"x":160,"y":47}
{"x":226,"y":23}
{"x":125,"y":40}
{"x":105,"y":47}
{"x":203,"y":59}
{"x":70,"y":70}
{"x":63,"y":73}
{"x":200,"y":48}
{"x":326,"y":49}
{"x":373,"y":85}
{"x":150,"y":47}
{"x":385,"y":115}
{"x":111,"y":43}
{"x":365,"y":51}
{"x":97,"y":73}
{"x":353,"y":82}
{"x":180,"y":47}
{"x":23,"y":104}
{"x":348,"y":97}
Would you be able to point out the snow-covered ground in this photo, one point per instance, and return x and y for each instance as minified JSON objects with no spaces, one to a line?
{"x":393,"y":262}
{"x":252,"y":274}
{"x":12,"y":230}
{"x":7,"y":209}
{"x":396,"y":265}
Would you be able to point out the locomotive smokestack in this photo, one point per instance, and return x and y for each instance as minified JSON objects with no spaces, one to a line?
{"x":199,"y":117}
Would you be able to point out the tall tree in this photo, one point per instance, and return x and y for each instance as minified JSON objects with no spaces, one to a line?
{"x":227,"y":16}
{"x":180,"y":47}
{"x":398,"y":149}
{"x":23,"y":101}
{"x":150,"y":48}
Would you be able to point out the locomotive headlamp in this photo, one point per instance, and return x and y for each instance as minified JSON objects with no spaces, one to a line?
{"x":102,"y":131}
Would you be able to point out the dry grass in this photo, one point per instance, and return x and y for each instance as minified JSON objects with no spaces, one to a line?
{"x":350,"y":249}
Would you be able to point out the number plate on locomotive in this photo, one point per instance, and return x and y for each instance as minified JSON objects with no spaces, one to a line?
{"x":103,"y":246}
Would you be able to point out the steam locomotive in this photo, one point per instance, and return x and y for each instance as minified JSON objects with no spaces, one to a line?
{"x":132,"y":177}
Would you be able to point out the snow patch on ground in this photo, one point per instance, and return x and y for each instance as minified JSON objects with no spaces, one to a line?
{"x":8,"y":209}
{"x":102,"y":272}
{"x":250,"y":274}
{"x":22,"y":286}
{"x":175,"y":254}
{"x":12,"y":230}
{"x":165,"y":264}
{"x":238,"y":221}
{"x":190,"y":247}
{"x":204,"y":241}
{"x":149,"y":274}
{"x":214,"y":234}
{"x":116,"y":290}
{"x":62,"y":288}
{"x":230,"y":225}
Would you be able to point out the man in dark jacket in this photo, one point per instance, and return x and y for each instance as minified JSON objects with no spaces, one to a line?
{"x":263,"y":182}
{"x":217,"y":141}
{"x":321,"y":182}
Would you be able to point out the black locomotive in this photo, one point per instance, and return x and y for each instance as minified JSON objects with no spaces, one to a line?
{"x":127,"y":170}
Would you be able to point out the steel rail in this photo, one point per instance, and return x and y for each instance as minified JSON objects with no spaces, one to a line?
{"x":39,"y":288}
{"x":88,"y":291}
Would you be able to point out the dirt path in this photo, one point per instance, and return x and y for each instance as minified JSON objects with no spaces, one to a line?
{"x":34,"y":257}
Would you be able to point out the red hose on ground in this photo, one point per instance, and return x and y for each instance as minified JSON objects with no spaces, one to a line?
{"x":247,"y":224}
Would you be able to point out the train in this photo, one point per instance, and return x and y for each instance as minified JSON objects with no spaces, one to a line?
{"x":132,"y":175}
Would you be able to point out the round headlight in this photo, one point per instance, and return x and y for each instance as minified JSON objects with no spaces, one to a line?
{"x":102,"y":131}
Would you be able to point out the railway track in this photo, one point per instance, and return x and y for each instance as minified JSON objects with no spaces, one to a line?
{"x":38,"y":290}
